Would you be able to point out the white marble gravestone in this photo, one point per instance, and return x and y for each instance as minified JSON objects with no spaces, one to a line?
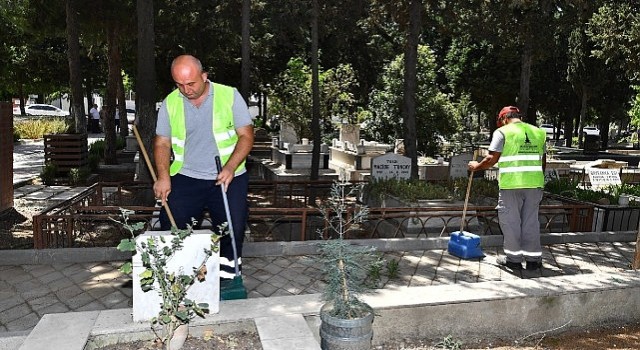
{"x":350,"y":133}
{"x":459,"y":165}
{"x":287,"y":134}
{"x":391,"y":166}
{"x":147,"y":304}
{"x":604,"y":177}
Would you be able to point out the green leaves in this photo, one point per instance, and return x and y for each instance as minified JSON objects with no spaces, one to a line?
{"x":126,"y":268}
{"x":346,"y":266}
{"x":127,"y":245}
{"x":171,"y":286}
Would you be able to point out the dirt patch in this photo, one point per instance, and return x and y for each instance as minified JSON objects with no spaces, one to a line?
{"x":232,"y":341}
{"x":626,"y":337}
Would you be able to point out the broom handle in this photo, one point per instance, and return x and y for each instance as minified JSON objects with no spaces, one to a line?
{"x":466,"y":198}
{"x":229,"y":223}
{"x":153,"y":173}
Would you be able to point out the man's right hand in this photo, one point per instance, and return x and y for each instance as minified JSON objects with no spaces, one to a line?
{"x":161,"y":189}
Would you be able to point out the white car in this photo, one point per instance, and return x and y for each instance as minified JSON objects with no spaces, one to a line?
{"x":591,"y":130}
{"x":43,"y":109}
{"x":548,"y":128}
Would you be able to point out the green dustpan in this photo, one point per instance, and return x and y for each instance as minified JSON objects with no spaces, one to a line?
{"x":234,"y":288}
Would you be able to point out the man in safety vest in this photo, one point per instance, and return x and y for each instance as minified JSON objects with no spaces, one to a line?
{"x":519,"y":150}
{"x":197,"y":122}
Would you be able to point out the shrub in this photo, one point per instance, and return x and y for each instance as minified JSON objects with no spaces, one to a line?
{"x":79,"y":176}
{"x":97,"y":148}
{"x":479,"y":188}
{"x":410,"y":190}
{"x":37,"y":128}
{"x":48,"y":174}
{"x":606,"y":195}
{"x":94,"y":161}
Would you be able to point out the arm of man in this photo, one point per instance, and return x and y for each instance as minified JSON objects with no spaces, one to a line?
{"x":487,"y":162}
{"x":162,"y":157}
{"x":495,"y":150}
{"x":240,"y":153}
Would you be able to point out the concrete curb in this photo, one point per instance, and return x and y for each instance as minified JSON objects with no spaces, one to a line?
{"x":259,"y":249}
{"x":484,"y":310}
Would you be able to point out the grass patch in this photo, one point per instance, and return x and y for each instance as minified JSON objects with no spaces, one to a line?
{"x":37,"y":128}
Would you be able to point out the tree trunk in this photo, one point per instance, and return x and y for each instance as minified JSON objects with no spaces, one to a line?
{"x":583,"y":115}
{"x":122,"y":109}
{"x":246,"y":47}
{"x":113,"y":60}
{"x":75,"y":78}
{"x":315,"y":94}
{"x":410,"y":85}
{"x":525,"y":78}
{"x":146,"y":82}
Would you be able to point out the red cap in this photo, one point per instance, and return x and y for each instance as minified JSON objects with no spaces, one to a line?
{"x":508,"y":110}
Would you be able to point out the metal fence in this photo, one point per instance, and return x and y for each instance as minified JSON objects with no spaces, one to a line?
{"x":279,"y":211}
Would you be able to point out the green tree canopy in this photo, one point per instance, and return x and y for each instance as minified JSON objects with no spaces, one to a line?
{"x":436,"y":116}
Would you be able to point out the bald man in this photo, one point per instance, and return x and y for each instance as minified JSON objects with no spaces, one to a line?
{"x":197,"y":122}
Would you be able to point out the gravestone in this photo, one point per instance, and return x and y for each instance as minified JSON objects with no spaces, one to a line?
{"x":459,"y":165}
{"x":350,"y":133}
{"x":287,"y":135}
{"x":604,"y":177}
{"x":147,"y":304}
{"x":391,"y":166}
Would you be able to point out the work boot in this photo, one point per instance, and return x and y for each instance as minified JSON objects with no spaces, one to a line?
{"x":534,"y":265}
{"x":502,"y":261}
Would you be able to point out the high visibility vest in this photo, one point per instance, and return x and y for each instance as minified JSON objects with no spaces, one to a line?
{"x":224,"y":131}
{"x":520,"y":162}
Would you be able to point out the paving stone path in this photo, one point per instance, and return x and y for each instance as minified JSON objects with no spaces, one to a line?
{"x":29,"y":291}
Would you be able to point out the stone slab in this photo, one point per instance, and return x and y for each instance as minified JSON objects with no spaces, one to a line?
{"x":61,"y":331}
{"x":285,"y":332}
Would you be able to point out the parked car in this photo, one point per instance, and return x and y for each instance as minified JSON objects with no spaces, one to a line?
{"x":42,"y":110}
{"x":591,"y":130}
{"x":548,"y":128}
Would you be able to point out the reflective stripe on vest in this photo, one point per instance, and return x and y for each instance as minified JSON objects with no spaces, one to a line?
{"x":224,"y":131}
{"x":520,"y":162}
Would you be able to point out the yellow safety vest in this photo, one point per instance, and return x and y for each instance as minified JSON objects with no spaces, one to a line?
{"x":224,"y":131}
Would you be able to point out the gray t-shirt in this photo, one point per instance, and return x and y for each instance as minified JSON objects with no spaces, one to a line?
{"x":200,"y":146}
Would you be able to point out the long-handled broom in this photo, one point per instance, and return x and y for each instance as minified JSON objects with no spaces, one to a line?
{"x":465,"y":245}
{"x":153,"y":173}
{"x":234,"y":288}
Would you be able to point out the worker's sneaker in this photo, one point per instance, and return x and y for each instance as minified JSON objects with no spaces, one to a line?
{"x":534,"y":265}
{"x":502,"y":261}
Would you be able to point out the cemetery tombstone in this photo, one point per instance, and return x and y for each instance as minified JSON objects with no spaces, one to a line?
{"x":604,"y":177}
{"x":288,"y":134}
{"x":350,"y":133}
{"x":459,"y":165}
{"x":391,"y":166}
{"x":146,"y":305}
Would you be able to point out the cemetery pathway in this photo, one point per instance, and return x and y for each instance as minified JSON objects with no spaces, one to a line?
{"x":28,"y":159}
{"x":27,"y":292}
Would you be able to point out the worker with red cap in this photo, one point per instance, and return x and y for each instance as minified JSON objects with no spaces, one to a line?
{"x":519,"y":150}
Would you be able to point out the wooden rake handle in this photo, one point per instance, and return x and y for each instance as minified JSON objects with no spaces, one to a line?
{"x":153,"y":173}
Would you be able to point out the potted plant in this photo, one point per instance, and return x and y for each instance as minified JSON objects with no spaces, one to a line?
{"x":176,"y":310}
{"x":346,"y":319}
